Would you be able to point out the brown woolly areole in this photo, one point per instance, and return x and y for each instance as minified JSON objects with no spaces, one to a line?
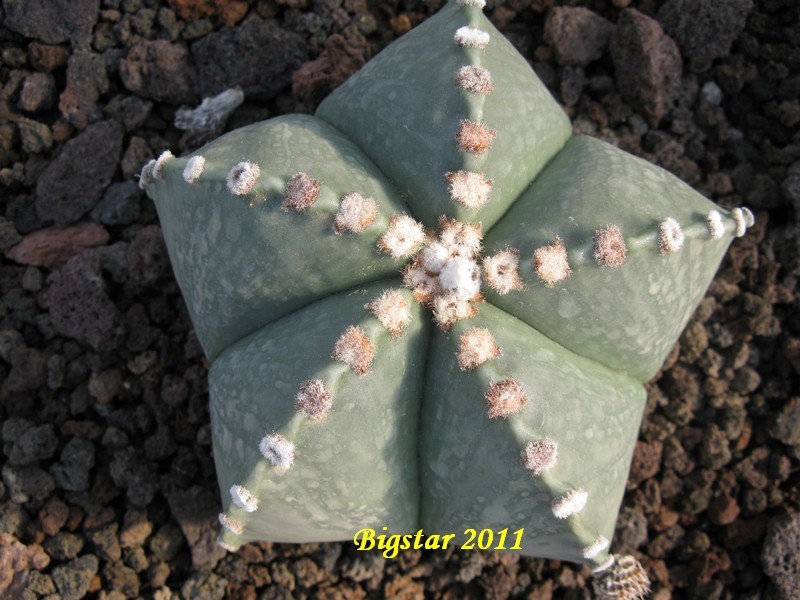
{"x":314,"y":399}
{"x":501,"y":271}
{"x":231,"y":524}
{"x":403,"y":237}
{"x":469,"y":188}
{"x":354,"y":349}
{"x":539,"y":456}
{"x":301,"y":192}
{"x":625,"y":579}
{"x":505,"y":398}
{"x":356,"y":213}
{"x":610,"y":249}
{"x":392,"y":310}
{"x":551,"y":263}
{"x":475,"y":347}
{"x":242,"y":177}
{"x":670,"y":236}
{"x":474,"y":137}
{"x":476,"y":80}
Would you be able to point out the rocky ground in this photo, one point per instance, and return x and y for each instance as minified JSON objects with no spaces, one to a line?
{"x":108,"y":486}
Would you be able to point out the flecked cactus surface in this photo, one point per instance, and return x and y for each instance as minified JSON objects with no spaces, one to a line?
{"x":429,"y":306}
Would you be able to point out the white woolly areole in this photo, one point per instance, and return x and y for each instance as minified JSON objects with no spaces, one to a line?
{"x":231,"y":524}
{"x":460,"y":278}
{"x":146,"y":176}
{"x":226,"y":546}
{"x":243,"y":498}
{"x":501,"y":271}
{"x":471,"y":37}
{"x":193,"y":169}
{"x":716,"y":228}
{"x":539,"y":456}
{"x":469,"y":188}
{"x":161,"y":161}
{"x":569,"y":503}
{"x":403,"y":237}
{"x":475,"y":3}
{"x":605,"y":565}
{"x":356,"y":213}
{"x":670,"y":236}
{"x":392,"y":310}
{"x":475,"y":347}
{"x":242,"y":178}
{"x":596,"y":547}
{"x":435,"y":257}
{"x":744,"y":218}
{"x":277,"y":450}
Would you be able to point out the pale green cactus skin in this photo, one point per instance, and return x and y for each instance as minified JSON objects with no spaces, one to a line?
{"x":409,"y":443}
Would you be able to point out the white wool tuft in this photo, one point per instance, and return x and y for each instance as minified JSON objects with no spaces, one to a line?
{"x":460,"y":278}
{"x":470,"y":37}
{"x":243,"y":498}
{"x":193,"y":169}
{"x":277,"y":450}
{"x":569,"y":503}
{"x":716,"y":228}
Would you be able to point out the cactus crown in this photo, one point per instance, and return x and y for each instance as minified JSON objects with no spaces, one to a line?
{"x":559,"y":270}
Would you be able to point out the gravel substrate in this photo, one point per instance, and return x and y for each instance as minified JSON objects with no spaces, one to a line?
{"x":108,"y":485}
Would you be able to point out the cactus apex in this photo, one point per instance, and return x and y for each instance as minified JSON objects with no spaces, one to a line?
{"x":354,"y":349}
{"x":475,"y":347}
{"x":569,"y":503}
{"x":243,"y":498}
{"x":551,"y":263}
{"x":403,"y":237}
{"x":501,"y":271}
{"x":193,"y":169}
{"x":314,"y":399}
{"x":476,"y":80}
{"x":474,"y":137}
{"x":356,"y":213}
{"x":504,"y":398}
{"x":469,"y":188}
{"x":301,"y":192}
{"x":539,"y":456}
{"x":277,"y":450}
{"x":471,"y":37}
{"x":242,"y":177}
{"x":624,"y":579}
{"x":392,"y":310}
{"x":670,"y":236}
{"x":610,"y":249}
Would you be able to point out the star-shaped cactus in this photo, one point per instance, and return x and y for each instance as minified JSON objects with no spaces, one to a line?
{"x":429,"y":306}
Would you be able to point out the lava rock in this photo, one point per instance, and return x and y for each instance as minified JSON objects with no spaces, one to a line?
{"x":77,"y":459}
{"x":79,"y":304}
{"x":73,"y":183}
{"x":159,"y":70}
{"x":780,"y":556}
{"x":53,"y":247}
{"x":120,"y":204}
{"x":785,"y":423}
{"x":53,"y":21}
{"x":86,"y":82}
{"x":257,"y":56}
{"x":577,"y":35}
{"x":28,"y":372}
{"x":35,"y":443}
{"x":38,"y":92}
{"x":73,"y":578}
{"x":704,"y":29}
{"x":147,"y":256}
{"x":647,"y":63}
{"x":338,"y":61}
{"x":14,"y":561}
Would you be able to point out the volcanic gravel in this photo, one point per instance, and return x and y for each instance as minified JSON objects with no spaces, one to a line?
{"x":108,"y":484}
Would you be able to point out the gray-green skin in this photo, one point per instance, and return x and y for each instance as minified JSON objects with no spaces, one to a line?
{"x":408,"y":444}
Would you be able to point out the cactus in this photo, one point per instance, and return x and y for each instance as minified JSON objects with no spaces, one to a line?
{"x":428,"y":306}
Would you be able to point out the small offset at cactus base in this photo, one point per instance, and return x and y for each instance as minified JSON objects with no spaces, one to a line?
{"x":429,"y":306}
